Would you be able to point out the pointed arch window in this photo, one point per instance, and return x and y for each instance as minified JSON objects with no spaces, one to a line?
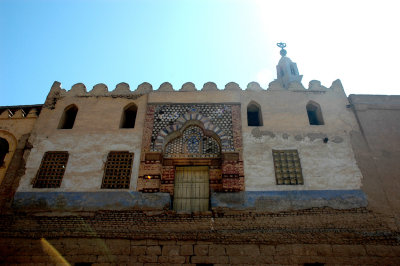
{"x":4,"y":149}
{"x":129,"y":116}
{"x":68,"y":118}
{"x":254,"y":117}
{"x":314,"y":113}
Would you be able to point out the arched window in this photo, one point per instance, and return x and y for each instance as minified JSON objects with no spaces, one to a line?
{"x":254,"y":117}
{"x":129,"y":116}
{"x":3,"y":150}
{"x":68,"y":118}
{"x":314,"y":113}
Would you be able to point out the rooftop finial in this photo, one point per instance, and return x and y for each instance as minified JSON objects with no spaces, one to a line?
{"x":282,"y":45}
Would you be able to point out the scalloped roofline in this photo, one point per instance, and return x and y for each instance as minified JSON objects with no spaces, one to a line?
{"x":123,"y":89}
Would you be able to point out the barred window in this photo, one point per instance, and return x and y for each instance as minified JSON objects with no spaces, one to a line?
{"x":118,"y":169}
{"x":287,"y":167}
{"x":51,"y":170}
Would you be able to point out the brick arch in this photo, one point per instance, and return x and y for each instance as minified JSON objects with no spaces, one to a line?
{"x":170,"y":132}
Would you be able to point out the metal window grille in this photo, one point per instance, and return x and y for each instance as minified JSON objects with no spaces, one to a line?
{"x":287,"y":167}
{"x":118,"y":169}
{"x":51,"y":169}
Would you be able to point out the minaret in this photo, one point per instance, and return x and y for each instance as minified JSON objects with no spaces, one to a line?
{"x":287,"y":71}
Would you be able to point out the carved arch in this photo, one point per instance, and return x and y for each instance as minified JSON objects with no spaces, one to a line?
{"x":168,"y":133}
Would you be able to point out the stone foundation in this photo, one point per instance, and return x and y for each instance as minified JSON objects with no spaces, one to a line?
{"x":170,"y":252}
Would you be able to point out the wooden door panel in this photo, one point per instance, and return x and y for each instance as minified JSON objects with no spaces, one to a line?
{"x":191,"y":192}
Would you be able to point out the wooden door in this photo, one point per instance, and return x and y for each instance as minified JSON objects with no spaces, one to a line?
{"x":191,"y":191}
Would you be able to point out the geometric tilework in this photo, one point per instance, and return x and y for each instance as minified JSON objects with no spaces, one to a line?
{"x":172,"y":117}
{"x":193,"y":144}
{"x":287,"y":167}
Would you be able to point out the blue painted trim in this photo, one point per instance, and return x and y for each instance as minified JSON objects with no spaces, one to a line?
{"x":289,"y":200}
{"x":89,"y":201}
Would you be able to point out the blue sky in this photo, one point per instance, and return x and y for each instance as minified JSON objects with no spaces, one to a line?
{"x":199,"y":41}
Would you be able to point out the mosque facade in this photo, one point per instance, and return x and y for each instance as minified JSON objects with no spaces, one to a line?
{"x":283,"y":175}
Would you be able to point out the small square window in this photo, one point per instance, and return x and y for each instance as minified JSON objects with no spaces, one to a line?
{"x":287,"y":167}
{"x":51,"y":170}
{"x":118,"y":169}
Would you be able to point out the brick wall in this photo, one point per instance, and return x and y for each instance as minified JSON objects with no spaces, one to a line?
{"x":323,"y":235}
{"x":168,"y":252}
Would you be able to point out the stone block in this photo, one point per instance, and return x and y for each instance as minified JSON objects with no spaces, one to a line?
{"x":283,"y":260}
{"x":210,"y":259}
{"x":80,"y":258}
{"x":123,"y":259}
{"x":283,"y":250}
{"x":267,"y":250}
{"x":138,"y":250}
{"x":308,"y":259}
{"x":107,"y":258}
{"x":153,"y":250}
{"x":118,"y":246}
{"x":304,"y":250}
{"x":348,"y":250}
{"x":138,"y":242}
{"x":242,"y":260}
{"x":167,"y":242}
{"x":379,"y":250}
{"x":147,"y":258}
{"x":186,"y":250}
{"x":170,"y":250}
{"x":243,"y":250}
{"x":151,"y":242}
{"x":216,"y":250}
{"x":201,"y":250}
{"x":172,"y":259}
{"x":322,"y":249}
{"x":396,"y":250}
{"x":264,"y":259}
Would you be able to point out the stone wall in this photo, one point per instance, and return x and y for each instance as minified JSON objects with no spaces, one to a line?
{"x":16,"y":124}
{"x":169,"y":252}
{"x":377,"y":149}
{"x":322,"y":235}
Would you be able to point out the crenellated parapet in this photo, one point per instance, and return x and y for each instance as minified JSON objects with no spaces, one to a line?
{"x":123,"y":89}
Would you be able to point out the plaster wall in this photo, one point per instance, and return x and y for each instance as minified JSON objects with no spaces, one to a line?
{"x":285,"y":126}
{"x":95,"y":133}
{"x":328,"y":165}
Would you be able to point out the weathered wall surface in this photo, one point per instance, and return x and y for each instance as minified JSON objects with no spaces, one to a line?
{"x":168,"y":252}
{"x":352,"y":237}
{"x":377,"y":149}
{"x":15,"y":127}
{"x":328,"y":165}
{"x":95,"y":133}
{"x":12,"y":129}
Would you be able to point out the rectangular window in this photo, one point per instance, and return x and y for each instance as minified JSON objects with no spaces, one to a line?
{"x":287,"y":167}
{"x":118,"y":169}
{"x":51,"y":170}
